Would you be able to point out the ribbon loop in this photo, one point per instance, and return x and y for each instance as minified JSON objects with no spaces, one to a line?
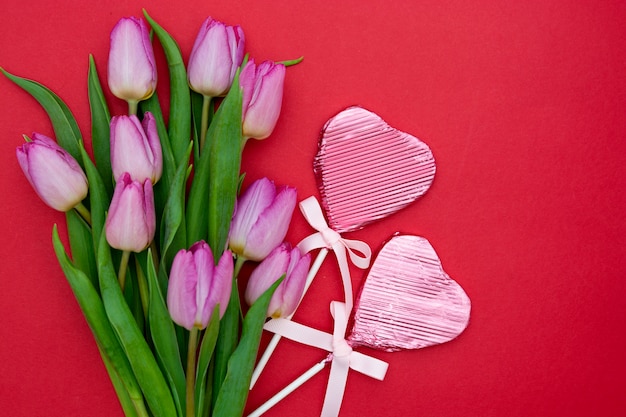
{"x":359,"y":252}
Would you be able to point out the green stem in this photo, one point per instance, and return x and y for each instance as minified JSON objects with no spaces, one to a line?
{"x":84,"y":212}
{"x":191,"y":370}
{"x":132,"y":107}
{"x":204,"y":125}
{"x":143,"y":288}
{"x":238,"y":264}
{"x":121,"y":275}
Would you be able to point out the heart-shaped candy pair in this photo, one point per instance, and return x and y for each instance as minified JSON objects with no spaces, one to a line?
{"x":367,"y":170}
{"x":407,"y":300}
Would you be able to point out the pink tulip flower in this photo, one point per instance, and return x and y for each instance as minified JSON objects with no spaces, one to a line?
{"x":261,"y":219}
{"x":136,"y":148}
{"x":132,"y":69}
{"x":262,"y":87}
{"x":281,"y":261}
{"x":54,"y":174}
{"x":197,"y":285}
{"x":131,"y":221}
{"x":215,"y":57}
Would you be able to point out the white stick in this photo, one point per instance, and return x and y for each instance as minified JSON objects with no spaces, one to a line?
{"x":289,"y":389}
{"x":276,"y":338}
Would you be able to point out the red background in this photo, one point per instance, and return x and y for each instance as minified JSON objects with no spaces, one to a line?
{"x":523,"y":106}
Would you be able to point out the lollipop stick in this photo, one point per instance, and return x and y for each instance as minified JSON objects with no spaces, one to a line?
{"x":289,"y":389}
{"x":275,"y":339}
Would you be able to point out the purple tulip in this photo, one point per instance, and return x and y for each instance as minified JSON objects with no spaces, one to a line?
{"x":261,"y":219}
{"x":215,"y":57}
{"x":197,"y":285}
{"x":132,"y":68}
{"x":131,"y":221}
{"x":135,"y":148}
{"x":281,"y":261}
{"x":54,"y":174}
{"x":262,"y":97}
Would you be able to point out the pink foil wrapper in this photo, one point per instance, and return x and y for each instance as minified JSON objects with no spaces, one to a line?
{"x":367,"y":170}
{"x":407,"y":301}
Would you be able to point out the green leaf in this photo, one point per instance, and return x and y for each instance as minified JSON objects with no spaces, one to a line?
{"x":95,"y":315}
{"x":99,"y":199}
{"x":227,"y":340}
{"x":214,"y":188}
{"x":141,"y":359}
{"x":173,"y":236}
{"x":164,"y":338}
{"x":224,"y":140}
{"x":290,"y":62}
{"x":100,"y":127}
{"x":180,"y":104}
{"x":161,"y":189}
{"x":207,"y":347}
{"x":234,"y":391}
{"x":81,"y":245}
{"x":122,"y":394}
{"x":65,"y":127}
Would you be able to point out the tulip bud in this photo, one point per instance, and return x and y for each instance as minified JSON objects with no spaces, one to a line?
{"x":136,"y":148}
{"x":131,"y":221}
{"x":132,"y":68}
{"x":262,"y":87}
{"x":281,"y":261}
{"x":261,"y":219}
{"x":215,"y":57}
{"x":197,"y":285}
{"x":54,"y":174}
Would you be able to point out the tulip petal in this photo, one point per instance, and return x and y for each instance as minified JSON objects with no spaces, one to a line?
{"x":266,"y":273}
{"x":54,"y":174}
{"x":181,"y":292}
{"x":271,"y":226}
{"x":251,"y":204}
{"x":132,"y":68}
{"x":222,"y":285}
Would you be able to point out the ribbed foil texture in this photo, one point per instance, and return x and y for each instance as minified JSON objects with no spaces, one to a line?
{"x":367,"y":170}
{"x":407,"y":301}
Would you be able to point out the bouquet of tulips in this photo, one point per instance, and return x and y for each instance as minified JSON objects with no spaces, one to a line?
{"x":158,"y":227}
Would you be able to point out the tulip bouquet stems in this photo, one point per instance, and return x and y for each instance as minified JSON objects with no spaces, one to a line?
{"x":155,"y":243}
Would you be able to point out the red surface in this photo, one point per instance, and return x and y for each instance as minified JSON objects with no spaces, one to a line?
{"x":523,"y":106}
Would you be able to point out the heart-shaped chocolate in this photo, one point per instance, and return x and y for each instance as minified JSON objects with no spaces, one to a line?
{"x":367,"y":170}
{"x":407,"y":301}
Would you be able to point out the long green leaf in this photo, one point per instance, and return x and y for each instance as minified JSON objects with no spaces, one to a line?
{"x":63,"y":122}
{"x":180,"y":104}
{"x":120,"y":389}
{"x":216,"y":177}
{"x":81,"y":245}
{"x":95,"y":315}
{"x":100,"y":127}
{"x":99,"y":199}
{"x":161,"y":189}
{"x":207,"y":347}
{"x":164,"y":339}
{"x":234,"y":391}
{"x":173,"y":236}
{"x":224,"y":140}
{"x":141,"y":359}
{"x":227,"y":340}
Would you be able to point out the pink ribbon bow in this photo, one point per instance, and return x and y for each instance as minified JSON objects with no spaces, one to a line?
{"x":330,"y":239}
{"x":341,"y":356}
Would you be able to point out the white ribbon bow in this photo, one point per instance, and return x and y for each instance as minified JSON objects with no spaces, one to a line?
{"x":341,"y":356}
{"x":330,"y":239}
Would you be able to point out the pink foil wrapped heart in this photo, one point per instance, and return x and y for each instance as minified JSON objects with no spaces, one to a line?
{"x":407,"y":300}
{"x":367,"y":170}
